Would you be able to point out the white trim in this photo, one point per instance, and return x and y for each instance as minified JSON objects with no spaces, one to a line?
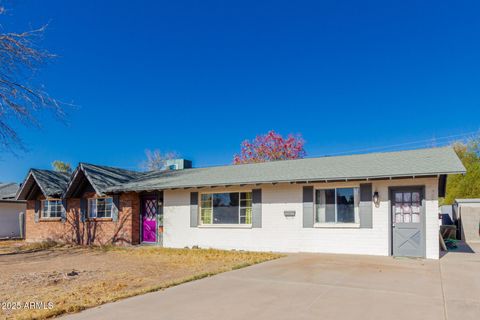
{"x":225,"y":226}
{"x":336,"y":225}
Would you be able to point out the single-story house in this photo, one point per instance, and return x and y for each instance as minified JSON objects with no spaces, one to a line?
{"x":11,"y":212}
{"x":377,"y":204}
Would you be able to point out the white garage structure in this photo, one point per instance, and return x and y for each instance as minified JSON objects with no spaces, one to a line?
{"x":11,"y":212}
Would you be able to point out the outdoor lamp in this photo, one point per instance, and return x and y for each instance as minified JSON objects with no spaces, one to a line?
{"x":376,"y":198}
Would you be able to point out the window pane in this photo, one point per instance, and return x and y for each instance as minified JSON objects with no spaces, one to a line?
{"x":345,"y":205}
{"x":398,"y":197}
{"x":415,"y":196}
{"x":104,"y":207}
{"x":245,"y":203}
{"x":100,"y":208}
{"x":56,"y":208}
{"x":325,"y":206}
{"x":206,"y":216}
{"x":225,"y":208}
{"x":92,"y":208}
{"x":108,"y":207}
{"x":248,"y":215}
{"x":246,"y":196}
{"x":45,"y":209}
{"x":206,"y":197}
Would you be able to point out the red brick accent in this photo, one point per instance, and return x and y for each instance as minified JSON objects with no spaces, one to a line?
{"x":125,"y":231}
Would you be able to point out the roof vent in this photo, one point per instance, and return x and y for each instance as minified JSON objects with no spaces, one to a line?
{"x":178,"y":164}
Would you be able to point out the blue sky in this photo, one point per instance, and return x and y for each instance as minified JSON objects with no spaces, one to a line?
{"x":198,"y":77}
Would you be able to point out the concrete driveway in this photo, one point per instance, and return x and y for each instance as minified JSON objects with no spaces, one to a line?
{"x":319,"y":286}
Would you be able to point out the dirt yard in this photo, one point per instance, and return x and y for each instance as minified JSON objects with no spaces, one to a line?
{"x":64,"y":279}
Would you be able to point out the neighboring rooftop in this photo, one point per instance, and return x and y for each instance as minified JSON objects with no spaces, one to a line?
{"x":412,"y":163}
{"x":8,"y":190}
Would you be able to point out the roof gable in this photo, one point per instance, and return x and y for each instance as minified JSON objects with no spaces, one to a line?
{"x":100,"y":178}
{"x":50,"y":183}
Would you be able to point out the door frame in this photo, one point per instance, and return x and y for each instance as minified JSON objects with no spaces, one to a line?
{"x":423,"y":211}
{"x":144,"y":196}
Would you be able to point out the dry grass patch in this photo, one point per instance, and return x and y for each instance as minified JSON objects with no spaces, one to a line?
{"x":20,"y":246}
{"x":75,"y":278}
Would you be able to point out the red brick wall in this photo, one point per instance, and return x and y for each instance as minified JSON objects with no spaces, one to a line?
{"x":99,"y":231}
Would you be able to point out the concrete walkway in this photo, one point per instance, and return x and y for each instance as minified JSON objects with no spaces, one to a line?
{"x":318,"y":286}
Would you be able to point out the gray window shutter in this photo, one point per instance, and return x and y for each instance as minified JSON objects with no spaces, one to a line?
{"x":116,"y":207}
{"x":193,"y":209}
{"x":64,"y":210}
{"x":160,"y":208}
{"x":83,"y":209}
{"x":36,"y":216}
{"x":365,"y":206}
{"x":308,"y":207}
{"x":256,"y":208}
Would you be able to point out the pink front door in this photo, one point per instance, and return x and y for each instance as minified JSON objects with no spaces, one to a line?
{"x":149,"y":219}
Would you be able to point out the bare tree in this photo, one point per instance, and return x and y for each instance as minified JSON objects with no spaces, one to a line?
{"x":156,"y":160}
{"x":20,"y":98}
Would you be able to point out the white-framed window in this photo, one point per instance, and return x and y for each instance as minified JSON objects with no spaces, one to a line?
{"x":100,"y":207}
{"x":226,"y":208}
{"x":337,"y":205}
{"x":52,"y":208}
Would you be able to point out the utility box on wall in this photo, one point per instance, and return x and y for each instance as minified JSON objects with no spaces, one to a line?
{"x":289,"y":213}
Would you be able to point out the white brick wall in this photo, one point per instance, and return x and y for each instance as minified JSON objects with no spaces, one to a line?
{"x":279,"y":233}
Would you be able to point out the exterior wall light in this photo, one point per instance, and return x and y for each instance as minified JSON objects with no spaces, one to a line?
{"x":376,"y":199}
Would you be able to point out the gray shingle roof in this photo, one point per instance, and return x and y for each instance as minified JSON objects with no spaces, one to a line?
{"x":421,"y":162}
{"x":51,"y":183}
{"x":103,"y":177}
{"x":100,"y":177}
{"x":8,"y":190}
